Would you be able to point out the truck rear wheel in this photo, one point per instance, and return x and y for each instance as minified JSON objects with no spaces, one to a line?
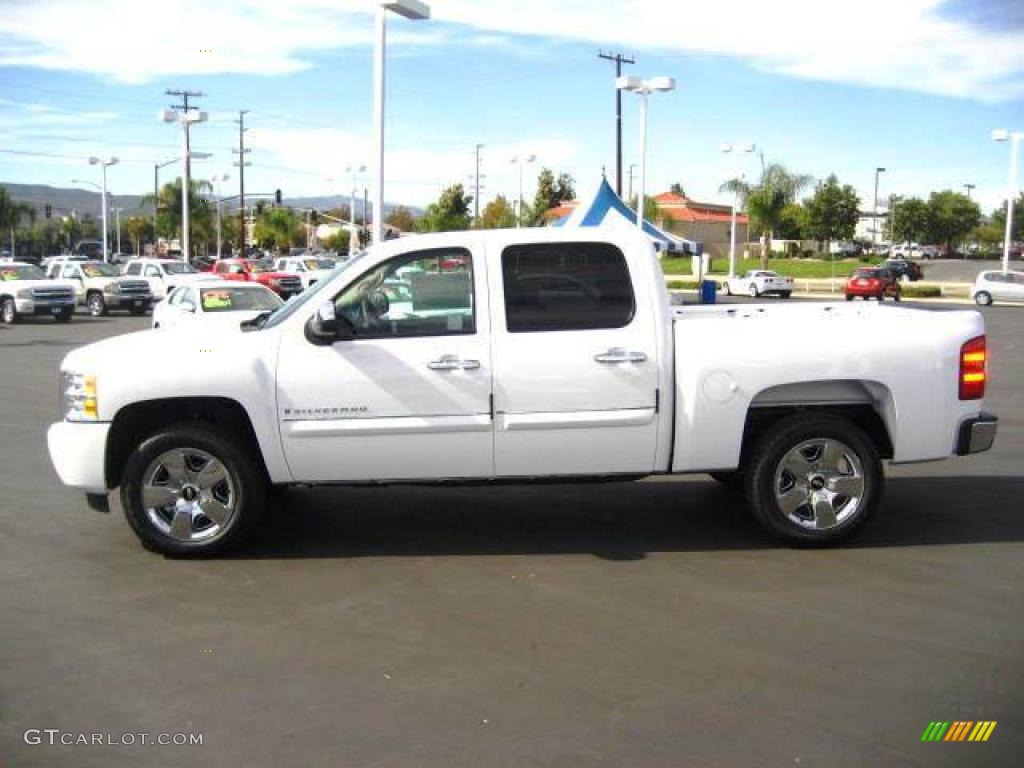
{"x":189,"y":491}
{"x":814,"y":479}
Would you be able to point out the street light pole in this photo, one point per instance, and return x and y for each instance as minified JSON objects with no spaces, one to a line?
{"x":520,"y":160}
{"x":105,"y":163}
{"x":643,"y":88}
{"x":354,"y":169}
{"x":410,"y":9}
{"x":1014,"y":138}
{"x":737,"y":174}
{"x":874,"y":218}
{"x":186,"y":117}
{"x":156,"y":197}
{"x":117,"y":225}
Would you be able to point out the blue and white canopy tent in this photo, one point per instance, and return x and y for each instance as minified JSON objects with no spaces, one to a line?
{"x":605,"y":208}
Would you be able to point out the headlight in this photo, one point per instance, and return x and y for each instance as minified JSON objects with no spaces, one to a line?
{"x":114,"y":288}
{"x":78,"y":397}
{"x":275,"y":281}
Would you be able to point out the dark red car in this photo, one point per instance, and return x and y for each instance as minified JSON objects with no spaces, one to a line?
{"x":873,"y":283}
{"x":249,"y":270}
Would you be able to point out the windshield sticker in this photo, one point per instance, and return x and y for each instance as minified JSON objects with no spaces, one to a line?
{"x":216,"y":299}
{"x":8,"y":274}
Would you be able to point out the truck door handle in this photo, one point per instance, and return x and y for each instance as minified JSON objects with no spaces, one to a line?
{"x":452,"y":363}
{"x":620,"y":355}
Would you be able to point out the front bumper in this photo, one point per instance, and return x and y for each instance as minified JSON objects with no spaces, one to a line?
{"x":976,"y":434}
{"x":78,"y":453}
{"x":128,"y":301}
{"x":41,"y":306}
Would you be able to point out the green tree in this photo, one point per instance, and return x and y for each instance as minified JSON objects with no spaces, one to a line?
{"x":793,"y":223}
{"x":12,"y":213}
{"x":278,"y":228}
{"x":951,"y":217}
{"x":449,"y":213}
{"x":201,"y":214}
{"x":766,"y":200}
{"x":652,"y":212}
{"x":551,"y":192}
{"x":832,"y":212}
{"x":401,"y":218}
{"x":910,"y":220}
{"x":497,"y":214}
{"x":139,"y":228}
{"x":999,"y":219}
{"x":338,"y":242}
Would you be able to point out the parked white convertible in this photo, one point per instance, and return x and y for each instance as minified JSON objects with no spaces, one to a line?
{"x":759,"y":282}
{"x":220,"y":303}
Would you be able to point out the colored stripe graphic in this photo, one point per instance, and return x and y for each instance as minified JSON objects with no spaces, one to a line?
{"x":959,"y":730}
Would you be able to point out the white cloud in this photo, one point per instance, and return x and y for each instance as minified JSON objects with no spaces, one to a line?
{"x":905,"y":44}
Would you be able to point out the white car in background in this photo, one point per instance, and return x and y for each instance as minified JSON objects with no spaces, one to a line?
{"x":310,"y":269}
{"x":164,"y":275}
{"x":220,"y":304}
{"x":996,"y":285}
{"x":759,"y":282}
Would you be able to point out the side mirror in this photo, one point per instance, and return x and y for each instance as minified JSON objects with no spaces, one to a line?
{"x":325,"y":327}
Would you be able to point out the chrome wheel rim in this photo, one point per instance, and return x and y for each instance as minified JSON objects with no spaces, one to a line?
{"x":752,"y":291}
{"x":95,"y":305}
{"x":188,"y":495}
{"x":8,"y":311}
{"x":819,"y":484}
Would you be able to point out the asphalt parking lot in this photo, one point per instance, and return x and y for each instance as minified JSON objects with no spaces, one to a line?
{"x":647,"y":624}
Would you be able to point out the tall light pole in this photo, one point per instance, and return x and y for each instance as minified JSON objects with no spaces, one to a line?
{"x":105,"y":162}
{"x":186,"y":117}
{"x":352,"y":231}
{"x":874,"y":218}
{"x":216,"y":180}
{"x":410,"y":9}
{"x":521,"y":160}
{"x":1014,"y":137}
{"x":728,"y":148}
{"x":644,"y":88}
{"x":117,"y":227}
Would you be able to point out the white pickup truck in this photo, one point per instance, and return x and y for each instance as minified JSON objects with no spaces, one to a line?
{"x":100,"y":287}
{"x":518,"y":354}
{"x":25,"y":290}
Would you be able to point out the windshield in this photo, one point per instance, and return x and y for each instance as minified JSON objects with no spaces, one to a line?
{"x":293,"y":304}
{"x":319,"y":263}
{"x":20,"y":272}
{"x":258,"y":267}
{"x":868,"y":273}
{"x":242,"y":298}
{"x":101,"y":270}
{"x":179,"y":268}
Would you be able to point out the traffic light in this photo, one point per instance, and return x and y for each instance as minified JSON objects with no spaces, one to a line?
{"x":277,"y":196}
{"x":49,"y":210}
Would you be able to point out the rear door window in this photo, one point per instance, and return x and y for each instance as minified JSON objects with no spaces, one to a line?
{"x":566,"y":287}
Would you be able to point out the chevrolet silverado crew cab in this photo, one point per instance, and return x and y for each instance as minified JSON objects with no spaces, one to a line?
{"x":512,"y":355}
{"x":164,"y":275}
{"x":100,"y":287}
{"x":24,"y":290}
{"x":284,"y":284}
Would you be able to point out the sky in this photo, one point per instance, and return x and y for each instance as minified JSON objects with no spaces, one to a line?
{"x":915,"y":86}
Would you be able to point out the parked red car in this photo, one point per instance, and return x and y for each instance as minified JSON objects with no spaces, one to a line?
{"x":281,"y":283}
{"x":873,"y":283}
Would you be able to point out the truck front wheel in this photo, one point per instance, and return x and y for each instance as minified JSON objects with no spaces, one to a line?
{"x":814,"y":478}
{"x":189,"y":491}
{"x":97,"y":306}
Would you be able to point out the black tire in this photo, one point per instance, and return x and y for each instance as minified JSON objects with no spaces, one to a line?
{"x":8,"y":311}
{"x":880,"y":297}
{"x":765,"y":469}
{"x":137,"y":311}
{"x":849,"y":297}
{"x":96,"y":305}
{"x":732,"y":480}
{"x":983,"y":299}
{"x":65,"y":315}
{"x":897,"y":297}
{"x":246,"y":475}
{"x":786,"y":294}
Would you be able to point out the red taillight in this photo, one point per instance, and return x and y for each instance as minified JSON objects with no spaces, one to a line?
{"x":973,"y":356}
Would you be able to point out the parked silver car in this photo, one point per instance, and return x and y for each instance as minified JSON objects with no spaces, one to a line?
{"x":993,"y":286}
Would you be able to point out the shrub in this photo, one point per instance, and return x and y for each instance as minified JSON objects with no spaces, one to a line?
{"x":911,"y":291}
{"x":690,"y":284}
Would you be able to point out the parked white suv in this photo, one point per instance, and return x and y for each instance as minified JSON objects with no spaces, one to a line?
{"x":164,"y":275}
{"x":310,"y":269}
{"x":25,"y":290}
{"x":993,"y":286}
{"x":101,"y":288}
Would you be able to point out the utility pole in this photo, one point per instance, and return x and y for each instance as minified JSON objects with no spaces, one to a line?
{"x":181,"y":113}
{"x":185,"y":96}
{"x":619,"y":60}
{"x":241,"y":152}
{"x":476,"y":188}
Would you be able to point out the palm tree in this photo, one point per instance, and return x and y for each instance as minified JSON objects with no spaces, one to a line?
{"x":766,"y":200}
{"x":11,"y":214}
{"x":201,"y":216}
